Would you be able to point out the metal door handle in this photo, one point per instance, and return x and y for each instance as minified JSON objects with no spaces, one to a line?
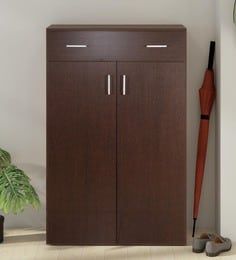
{"x":108,"y":84}
{"x":156,"y":46}
{"x":76,"y":46}
{"x":123,"y":85}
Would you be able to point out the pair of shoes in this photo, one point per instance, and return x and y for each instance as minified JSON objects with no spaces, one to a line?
{"x":213,"y":244}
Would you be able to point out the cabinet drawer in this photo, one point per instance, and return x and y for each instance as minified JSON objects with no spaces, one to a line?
{"x":116,"y":45}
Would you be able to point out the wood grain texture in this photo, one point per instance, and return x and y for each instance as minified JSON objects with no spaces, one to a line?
{"x":116,"y":165}
{"x":81,"y":154}
{"x":116,"y":45}
{"x":151,"y":154}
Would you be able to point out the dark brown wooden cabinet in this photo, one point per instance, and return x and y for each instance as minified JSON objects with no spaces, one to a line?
{"x":116,"y":135}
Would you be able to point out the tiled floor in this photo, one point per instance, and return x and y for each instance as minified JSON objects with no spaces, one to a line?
{"x":29,"y":245}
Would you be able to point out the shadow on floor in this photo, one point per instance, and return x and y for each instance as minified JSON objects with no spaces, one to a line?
{"x":24,"y":238}
{"x":118,"y":247}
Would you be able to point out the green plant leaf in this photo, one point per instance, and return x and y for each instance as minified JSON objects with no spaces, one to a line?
{"x":5,"y":158}
{"x":16,"y":192}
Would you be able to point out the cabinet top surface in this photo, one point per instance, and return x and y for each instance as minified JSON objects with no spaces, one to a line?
{"x":137,"y":27}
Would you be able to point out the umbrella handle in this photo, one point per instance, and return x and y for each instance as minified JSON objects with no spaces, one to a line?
{"x":211,"y":55}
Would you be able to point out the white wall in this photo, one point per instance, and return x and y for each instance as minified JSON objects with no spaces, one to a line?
{"x":22,"y":78}
{"x":227,"y":119}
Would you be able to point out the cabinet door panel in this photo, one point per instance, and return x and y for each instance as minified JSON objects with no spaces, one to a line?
{"x":151,"y":145}
{"x":81,"y":153}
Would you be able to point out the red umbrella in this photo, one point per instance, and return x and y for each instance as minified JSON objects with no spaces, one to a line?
{"x":207,"y":97}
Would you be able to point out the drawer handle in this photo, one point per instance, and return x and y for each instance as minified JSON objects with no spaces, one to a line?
{"x":156,"y":46}
{"x":76,"y":46}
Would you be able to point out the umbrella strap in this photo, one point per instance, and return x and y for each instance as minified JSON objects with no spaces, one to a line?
{"x":205,"y":117}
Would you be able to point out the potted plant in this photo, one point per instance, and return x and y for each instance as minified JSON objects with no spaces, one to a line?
{"x":16,"y":192}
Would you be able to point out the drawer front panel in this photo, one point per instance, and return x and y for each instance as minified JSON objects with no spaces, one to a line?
{"x":113,"y":45}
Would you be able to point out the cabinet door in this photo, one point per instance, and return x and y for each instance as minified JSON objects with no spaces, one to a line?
{"x":151,"y":154}
{"x":81,"y":153}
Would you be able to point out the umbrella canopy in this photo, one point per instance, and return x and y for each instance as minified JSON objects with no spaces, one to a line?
{"x":207,"y":96}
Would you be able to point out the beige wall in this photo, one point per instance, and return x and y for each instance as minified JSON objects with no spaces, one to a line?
{"x":22,"y":77}
{"x":226,"y":127}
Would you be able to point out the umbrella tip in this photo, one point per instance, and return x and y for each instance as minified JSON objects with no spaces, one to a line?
{"x":194,"y":226}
